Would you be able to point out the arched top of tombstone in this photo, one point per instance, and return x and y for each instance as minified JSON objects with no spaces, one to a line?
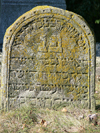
{"x":49,"y":48}
{"x":74,"y":19}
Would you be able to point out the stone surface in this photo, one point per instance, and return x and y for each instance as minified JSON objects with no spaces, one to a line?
{"x":48,"y":59}
{"x":12,"y":9}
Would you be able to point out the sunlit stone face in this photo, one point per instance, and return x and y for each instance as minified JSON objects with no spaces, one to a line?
{"x":50,"y":52}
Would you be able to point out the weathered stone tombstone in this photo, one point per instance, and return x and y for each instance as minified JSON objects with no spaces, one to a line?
{"x":48,"y":59}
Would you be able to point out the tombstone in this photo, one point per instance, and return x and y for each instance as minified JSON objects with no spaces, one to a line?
{"x":48,"y":59}
{"x":12,"y":9}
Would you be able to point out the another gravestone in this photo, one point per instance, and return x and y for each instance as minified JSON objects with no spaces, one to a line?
{"x":12,"y":9}
{"x":48,"y":59}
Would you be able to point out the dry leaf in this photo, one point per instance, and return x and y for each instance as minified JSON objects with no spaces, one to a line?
{"x":42,"y":122}
{"x":64,"y":110}
{"x":92,"y":124}
{"x":45,"y":124}
{"x":23,"y":126}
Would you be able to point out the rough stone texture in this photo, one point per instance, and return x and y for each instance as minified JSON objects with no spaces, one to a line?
{"x":12,"y":9}
{"x":48,"y":59}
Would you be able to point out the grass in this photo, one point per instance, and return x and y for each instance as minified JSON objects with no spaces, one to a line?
{"x":29,"y":119}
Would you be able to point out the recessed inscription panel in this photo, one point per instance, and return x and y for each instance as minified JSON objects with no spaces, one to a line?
{"x":51,"y":53}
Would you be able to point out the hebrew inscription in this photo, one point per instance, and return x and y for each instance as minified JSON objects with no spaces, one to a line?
{"x":49,"y":59}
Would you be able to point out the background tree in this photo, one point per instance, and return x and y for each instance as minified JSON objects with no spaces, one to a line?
{"x":89,"y":10}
